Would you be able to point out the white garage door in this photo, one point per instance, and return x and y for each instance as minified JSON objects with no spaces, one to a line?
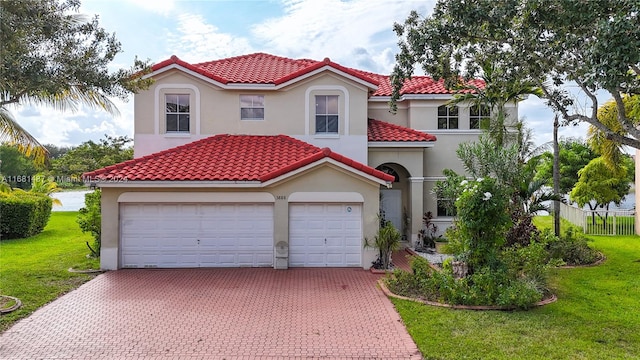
{"x":196,"y":235}
{"x":325,"y":235}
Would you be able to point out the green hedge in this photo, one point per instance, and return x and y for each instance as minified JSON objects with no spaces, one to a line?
{"x":23,"y":214}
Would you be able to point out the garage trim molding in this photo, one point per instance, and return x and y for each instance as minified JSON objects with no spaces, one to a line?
{"x":326,"y":197}
{"x":196,"y":197}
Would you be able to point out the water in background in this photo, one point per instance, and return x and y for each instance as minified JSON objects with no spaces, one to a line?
{"x":71,"y":200}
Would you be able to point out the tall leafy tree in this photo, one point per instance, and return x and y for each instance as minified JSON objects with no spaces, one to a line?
{"x":91,"y":155}
{"x":594,"y":44}
{"x":599,"y":185}
{"x":610,"y":150}
{"x":15,"y":168}
{"x":574,"y":154}
{"x":50,"y":55}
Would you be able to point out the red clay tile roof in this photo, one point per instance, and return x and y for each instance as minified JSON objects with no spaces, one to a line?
{"x":383,"y":131}
{"x":227,"y":158}
{"x":261,"y":68}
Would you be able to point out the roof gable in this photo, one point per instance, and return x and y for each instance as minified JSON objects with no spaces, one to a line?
{"x":230,"y":158}
{"x":267,"y":69}
{"x":260,"y":68}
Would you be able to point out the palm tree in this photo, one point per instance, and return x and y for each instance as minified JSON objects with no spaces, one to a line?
{"x":611,"y":151}
{"x":45,"y":185}
{"x":47,"y":35}
{"x":499,"y":90}
{"x":12,"y":133}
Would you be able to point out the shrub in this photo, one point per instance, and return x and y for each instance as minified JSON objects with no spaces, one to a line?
{"x":482,"y":221}
{"x":521,"y":294}
{"x":572,"y":247}
{"x":523,"y":230}
{"x":90,"y":220}
{"x":23,"y":214}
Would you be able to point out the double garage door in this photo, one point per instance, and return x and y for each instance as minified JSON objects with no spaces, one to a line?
{"x":180,"y":235}
{"x":196,"y":235}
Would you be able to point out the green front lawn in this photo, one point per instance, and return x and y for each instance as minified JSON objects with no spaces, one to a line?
{"x":597,"y":316}
{"x":35,"y":270}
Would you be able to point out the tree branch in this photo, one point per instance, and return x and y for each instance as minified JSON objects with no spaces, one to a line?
{"x":594,"y":100}
{"x":636,"y":69}
{"x":609,"y":134}
{"x":626,"y":123}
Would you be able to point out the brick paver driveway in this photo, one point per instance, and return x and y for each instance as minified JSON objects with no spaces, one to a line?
{"x":216,"y":314}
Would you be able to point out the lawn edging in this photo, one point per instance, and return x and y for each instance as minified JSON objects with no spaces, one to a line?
{"x":601,"y":259}
{"x":17,"y":304}
{"x":389,"y":293}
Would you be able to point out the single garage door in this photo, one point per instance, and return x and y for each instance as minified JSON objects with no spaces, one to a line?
{"x":196,"y":235}
{"x":325,"y":235}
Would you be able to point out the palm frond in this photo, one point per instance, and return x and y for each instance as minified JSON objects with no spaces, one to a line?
{"x":12,"y":133}
{"x":73,"y":98}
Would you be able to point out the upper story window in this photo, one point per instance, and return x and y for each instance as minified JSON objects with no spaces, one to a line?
{"x":177,"y":113}
{"x":252,"y":107}
{"x":447,"y":117}
{"x":479,"y":116}
{"x":326,"y":114}
{"x":446,"y":207}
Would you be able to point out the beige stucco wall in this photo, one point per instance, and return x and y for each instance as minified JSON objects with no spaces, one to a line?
{"x":284,"y":108}
{"x":380,"y":110}
{"x":324,"y":178}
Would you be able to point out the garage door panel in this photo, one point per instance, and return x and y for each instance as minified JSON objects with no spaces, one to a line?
{"x":196,"y":235}
{"x":325,"y":235}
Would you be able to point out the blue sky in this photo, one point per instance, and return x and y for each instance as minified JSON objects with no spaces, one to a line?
{"x":355,"y":33}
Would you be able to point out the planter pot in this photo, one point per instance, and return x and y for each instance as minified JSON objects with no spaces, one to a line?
{"x":440,"y":247}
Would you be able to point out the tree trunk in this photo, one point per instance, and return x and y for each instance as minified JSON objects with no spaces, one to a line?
{"x":556,"y":177}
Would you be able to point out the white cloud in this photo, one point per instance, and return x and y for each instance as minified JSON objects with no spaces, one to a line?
{"x":162,"y":7}
{"x":333,"y":28}
{"x":197,"y":41}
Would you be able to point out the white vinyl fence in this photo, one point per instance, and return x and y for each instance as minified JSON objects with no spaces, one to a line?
{"x":600,"y":222}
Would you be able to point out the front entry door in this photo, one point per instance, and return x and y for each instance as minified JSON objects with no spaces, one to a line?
{"x":391,"y":206}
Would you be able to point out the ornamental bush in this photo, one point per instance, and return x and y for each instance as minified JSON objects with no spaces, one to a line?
{"x":572,"y":247}
{"x":90,"y":220}
{"x":482,"y":222}
{"x":23,"y":214}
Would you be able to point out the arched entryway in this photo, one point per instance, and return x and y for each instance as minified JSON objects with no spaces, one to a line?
{"x":395,"y":202}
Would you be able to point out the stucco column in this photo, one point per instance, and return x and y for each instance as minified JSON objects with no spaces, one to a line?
{"x":417,"y":208}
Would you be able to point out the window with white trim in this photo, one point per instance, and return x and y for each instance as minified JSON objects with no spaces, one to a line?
{"x":251,"y":107}
{"x":177,"y":113}
{"x":446,"y":207}
{"x":479,"y":116}
{"x":327,"y":114}
{"x":447,"y":117}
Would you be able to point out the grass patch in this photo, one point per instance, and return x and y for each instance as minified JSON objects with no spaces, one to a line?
{"x":595,"y":317}
{"x":35,"y":270}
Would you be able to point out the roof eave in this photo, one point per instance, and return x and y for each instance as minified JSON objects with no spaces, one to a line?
{"x":378,"y":98}
{"x":288,"y":80}
{"x":326,"y":160}
{"x":173,"y":183}
{"x":401,"y":144}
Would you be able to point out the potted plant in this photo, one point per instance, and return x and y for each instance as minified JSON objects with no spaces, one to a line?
{"x":427,"y":235}
{"x":440,"y":244}
{"x":386,"y":241}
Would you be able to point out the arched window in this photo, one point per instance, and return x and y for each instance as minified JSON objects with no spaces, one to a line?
{"x":389,"y":170}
